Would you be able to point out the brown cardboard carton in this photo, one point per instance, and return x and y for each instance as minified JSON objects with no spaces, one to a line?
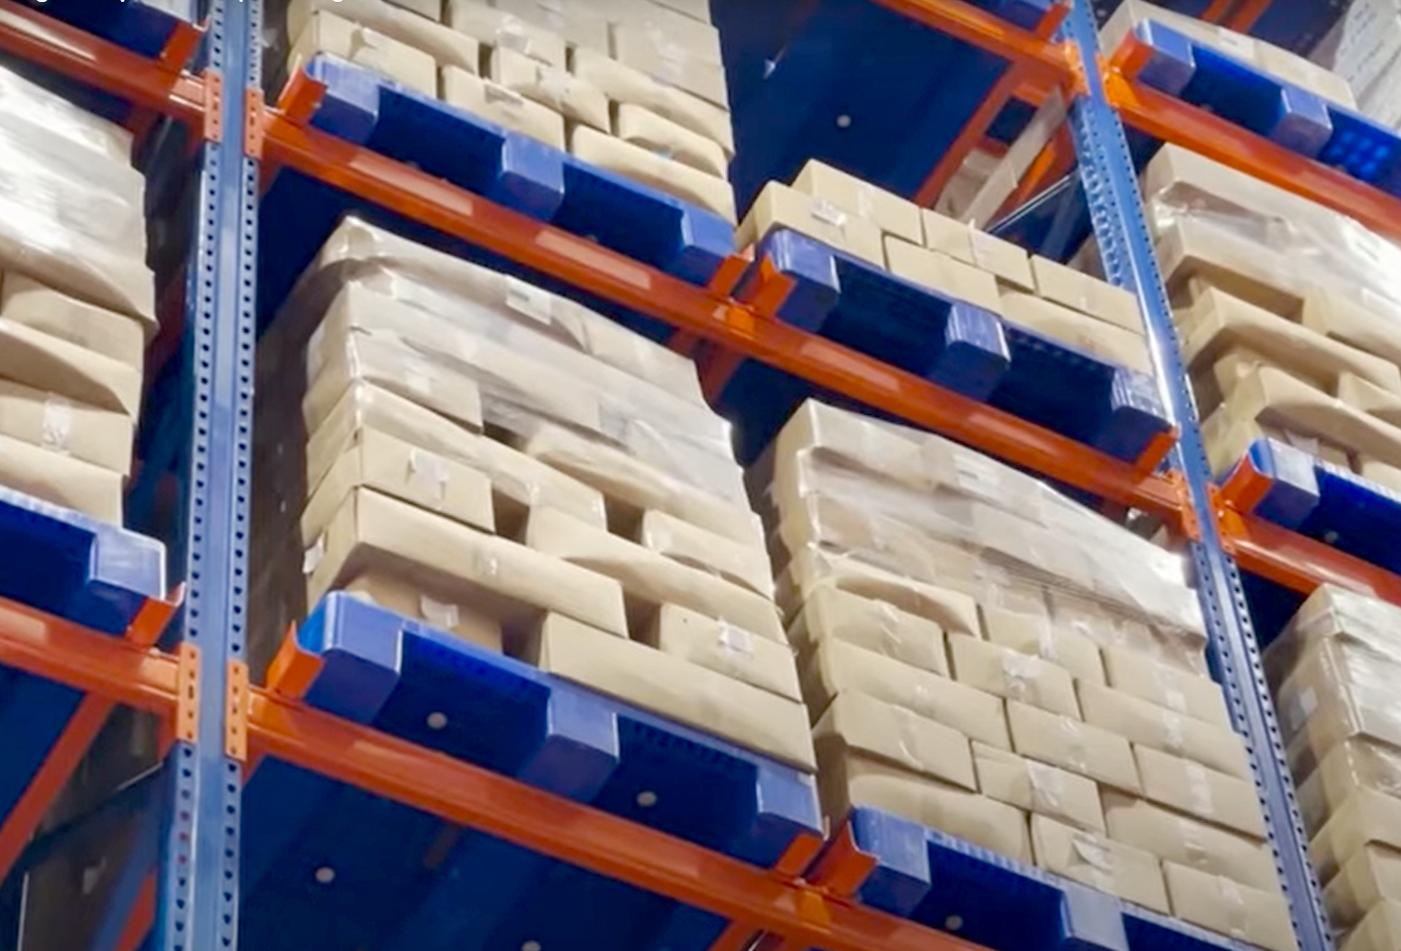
{"x":623,"y":84}
{"x":498,"y":28}
{"x":1087,"y":294}
{"x":779,"y":206}
{"x":456,"y":564}
{"x":675,"y":178}
{"x":579,"y":23}
{"x":852,"y":440}
{"x":647,"y":130}
{"x":1161,"y":729}
{"x":1247,"y":914}
{"x":324,"y":32}
{"x":1033,"y":634}
{"x":871,"y":625}
{"x":1178,"y":838}
{"x":550,"y":86}
{"x":744,"y":565}
{"x":1205,"y":793}
{"x":102,"y":437}
{"x":1388,"y":477}
{"x":1061,"y":323}
{"x":1354,"y":764}
{"x":1006,"y":673}
{"x":649,"y":578}
{"x":1003,"y":259}
{"x":31,"y":304}
{"x":1368,"y":816}
{"x":673,"y":48}
{"x":941,"y":273}
{"x":1149,"y":679}
{"x":1339,"y":690}
{"x":1379,"y":931}
{"x":897,"y":736}
{"x":1301,"y":72}
{"x":61,"y":480}
{"x":892,"y":214}
{"x":1099,"y":862}
{"x":502,"y":105}
{"x":725,"y":649}
{"x":948,"y":236}
{"x":1341,"y":318}
{"x":403,"y":20}
{"x":1371,"y":876}
{"x":1038,"y":788}
{"x":402,"y":595}
{"x":1104,"y":624}
{"x":54,"y":365}
{"x":1244,"y":269}
{"x":848,"y":778}
{"x":402,"y":471}
{"x":1370,"y":398}
{"x":1082,"y":748}
{"x":837,"y":667}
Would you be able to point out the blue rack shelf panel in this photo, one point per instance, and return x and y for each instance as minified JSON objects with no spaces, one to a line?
{"x":142,"y":26}
{"x":78,"y":569}
{"x":946,"y":883}
{"x":951,"y":342}
{"x":401,"y":879}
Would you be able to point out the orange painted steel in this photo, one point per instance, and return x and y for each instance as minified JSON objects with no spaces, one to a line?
{"x":1301,"y":563}
{"x":1218,"y":10}
{"x":963,"y":21}
{"x":1245,"y":15}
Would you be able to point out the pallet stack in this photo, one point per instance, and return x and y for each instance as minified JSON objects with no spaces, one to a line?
{"x":1334,"y":671}
{"x":1287,"y":313}
{"x":77,"y":301}
{"x":632,"y":86}
{"x":474,"y":452}
{"x":985,"y":657}
{"x":1365,"y":49}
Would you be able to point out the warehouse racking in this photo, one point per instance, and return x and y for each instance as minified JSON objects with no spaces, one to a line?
{"x":208,"y":79}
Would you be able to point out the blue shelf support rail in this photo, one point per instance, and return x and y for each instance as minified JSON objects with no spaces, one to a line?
{"x":1107,"y":173}
{"x":197,"y":905}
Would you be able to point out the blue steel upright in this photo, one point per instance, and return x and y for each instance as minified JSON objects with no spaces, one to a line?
{"x":198,"y":895}
{"x":1121,"y":230}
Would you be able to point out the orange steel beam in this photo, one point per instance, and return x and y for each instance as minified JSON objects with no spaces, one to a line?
{"x":1218,"y":10}
{"x":157,"y":84}
{"x":963,"y":21}
{"x":1245,"y":15}
{"x":1055,"y":160}
{"x":729,"y":323}
{"x":1300,"y":563}
{"x":1172,"y":120}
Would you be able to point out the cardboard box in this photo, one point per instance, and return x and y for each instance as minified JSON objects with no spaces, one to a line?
{"x":403,"y":596}
{"x":62,"y":480}
{"x":1104,"y":624}
{"x":1003,"y":259}
{"x":30,"y":304}
{"x":1244,"y":269}
{"x":948,"y":236}
{"x":1205,"y":793}
{"x":1081,"y":748}
{"x":1370,"y":329}
{"x":401,"y":471}
{"x":1351,"y":765}
{"x":432,"y":9}
{"x":1033,"y":634}
{"x":497,"y":28}
{"x":502,"y":105}
{"x":1114,"y":344}
{"x":54,"y":365}
{"x":622,"y":84}
{"x":675,"y":178}
{"x":725,"y":649}
{"x":455,"y":564}
{"x":1299,"y":71}
{"x":1339,"y":690}
{"x":1101,"y":863}
{"x":647,"y":130}
{"x":579,"y":23}
{"x":668,"y":685}
{"x":673,"y":48}
{"x":830,"y":613}
{"x":1370,"y":877}
{"x":1379,"y":931}
{"x":1246,"y":914}
{"x":1087,"y":294}
{"x":1370,"y":398}
{"x":1149,"y":679}
{"x":1161,"y":729}
{"x":99,"y":436}
{"x":1178,"y":838}
{"x":1006,"y":673}
{"x":550,"y":86}
{"x":848,"y":778}
{"x":1368,"y":816}
{"x":403,"y":20}
{"x":779,"y":206}
{"x":1388,"y":477}
{"x":325,"y":32}
{"x":649,"y":578}
{"x":837,"y":667}
{"x":898,"y":737}
{"x":1036,"y":787}
{"x":744,"y":565}
{"x":892,"y":214}
{"x":943,"y":274}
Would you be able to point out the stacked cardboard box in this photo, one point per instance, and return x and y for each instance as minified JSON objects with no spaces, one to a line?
{"x":1365,"y":49}
{"x":76,"y":301}
{"x":1289,"y":316}
{"x":952,"y":258}
{"x":474,"y":452}
{"x":986,"y":657}
{"x":633,"y":86}
{"x":1334,"y":672}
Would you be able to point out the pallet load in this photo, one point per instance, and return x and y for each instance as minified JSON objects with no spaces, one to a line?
{"x":986,"y":657}
{"x":1365,"y":49}
{"x":472,"y":451}
{"x":1333,"y":671}
{"x":1289,"y":315}
{"x":632,"y":86}
{"x":77,"y":302}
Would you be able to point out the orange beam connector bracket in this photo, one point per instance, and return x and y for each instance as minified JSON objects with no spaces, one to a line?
{"x":254,"y":124}
{"x":236,"y":713}
{"x":186,"y":727}
{"x":213,"y":105}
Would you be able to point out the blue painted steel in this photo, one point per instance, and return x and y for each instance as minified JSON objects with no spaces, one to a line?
{"x":946,"y":883}
{"x":404,"y":880}
{"x":1127,"y":252}
{"x":198,"y":894}
{"x":142,"y":26}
